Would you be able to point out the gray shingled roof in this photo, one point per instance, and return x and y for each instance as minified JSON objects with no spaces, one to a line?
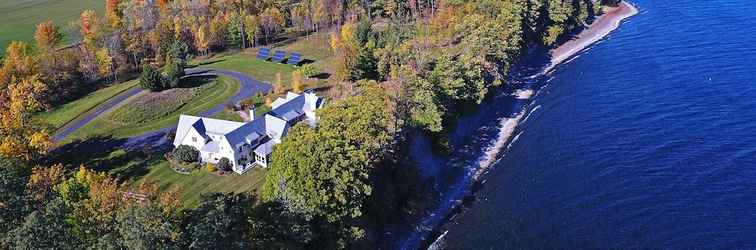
{"x":274,"y":124}
{"x":264,"y":149}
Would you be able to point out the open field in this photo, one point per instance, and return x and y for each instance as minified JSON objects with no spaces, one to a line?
{"x":144,"y":113}
{"x":18,"y":18}
{"x":72,"y":110}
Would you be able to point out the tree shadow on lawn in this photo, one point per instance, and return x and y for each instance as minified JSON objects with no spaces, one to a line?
{"x":108,"y":154}
{"x":195,"y":80}
{"x":210,"y":61}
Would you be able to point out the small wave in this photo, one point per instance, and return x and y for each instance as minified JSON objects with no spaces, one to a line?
{"x":439,"y":243}
{"x":506,"y":129}
{"x":530,"y":113}
{"x":514,"y":140}
{"x":523,"y":94}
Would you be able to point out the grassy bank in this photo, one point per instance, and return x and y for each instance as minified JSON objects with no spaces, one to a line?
{"x":153,"y":111}
{"x":68,"y":112}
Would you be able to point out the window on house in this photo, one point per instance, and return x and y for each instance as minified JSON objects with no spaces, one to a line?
{"x":194,"y":139}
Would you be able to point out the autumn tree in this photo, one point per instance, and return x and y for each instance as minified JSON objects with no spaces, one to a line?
{"x":22,"y":94}
{"x":113,"y":13}
{"x":48,"y":37}
{"x":325,"y":171}
{"x":201,"y":41}
{"x":271,"y":21}
{"x":296,"y":82}
{"x":278,"y":85}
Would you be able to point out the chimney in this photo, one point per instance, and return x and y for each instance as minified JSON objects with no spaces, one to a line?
{"x":252,"y":113}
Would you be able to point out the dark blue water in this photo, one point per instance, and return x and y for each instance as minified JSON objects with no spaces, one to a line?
{"x":646,"y":140}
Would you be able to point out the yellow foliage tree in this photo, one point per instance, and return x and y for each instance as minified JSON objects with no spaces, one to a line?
{"x":201,"y":40}
{"x":296,"y":82}
{"x":278,"y":86}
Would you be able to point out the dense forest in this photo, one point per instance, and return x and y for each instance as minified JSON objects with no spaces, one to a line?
{"x":403,"y":66}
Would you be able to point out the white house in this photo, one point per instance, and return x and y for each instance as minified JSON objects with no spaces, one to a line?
{"x":250,"y":143}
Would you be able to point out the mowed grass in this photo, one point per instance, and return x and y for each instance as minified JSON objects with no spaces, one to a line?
{"x":68,"y":112}
{"x":18,"y":18}
{"x":139,"y":166}
{"x":247,"y":63}
{"x":315,"y":48}
{"x":158,"y":113}
{"x":201,"y":181}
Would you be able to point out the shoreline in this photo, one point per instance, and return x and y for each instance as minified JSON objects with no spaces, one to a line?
{"x":597,"y":31}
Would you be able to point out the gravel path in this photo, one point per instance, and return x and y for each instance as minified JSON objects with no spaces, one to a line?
{"x":156,"y":139}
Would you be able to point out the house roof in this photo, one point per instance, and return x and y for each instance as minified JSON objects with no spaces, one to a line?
{"x":273,"y":125}
{"x":203,"y":126}
{"x":265,"y":149}
{"x":246,"y":133}
{"x":211,"y":147}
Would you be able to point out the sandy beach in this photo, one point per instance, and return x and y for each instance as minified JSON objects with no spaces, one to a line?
{"x":601,"y":27}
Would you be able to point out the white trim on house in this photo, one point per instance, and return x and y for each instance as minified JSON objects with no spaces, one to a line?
{"x":246,"y":144}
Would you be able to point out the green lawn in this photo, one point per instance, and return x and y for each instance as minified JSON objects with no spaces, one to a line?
{"x":144,"y":113}
{"x":247,"y":63}
{"x":75,"y":109}
{"x":229,"y":116}
{"x":18,"y":18}
{"x":201,"y":181}
{"x":314,"y":47}
{"x":140,"y":166}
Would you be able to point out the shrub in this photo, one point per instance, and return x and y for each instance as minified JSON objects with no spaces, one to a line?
{"x":150,"y":78}
{"x":224,"y":164}
{"x":211,"y":168}
{"x":172,"y":73}
{"x":307,"y":70}
{"x":185,"y":153}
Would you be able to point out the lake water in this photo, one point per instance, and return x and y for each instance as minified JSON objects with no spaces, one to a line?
{"x":646,"y":140}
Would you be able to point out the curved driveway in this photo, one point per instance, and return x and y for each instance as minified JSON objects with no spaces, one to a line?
{"x":248,"y":87}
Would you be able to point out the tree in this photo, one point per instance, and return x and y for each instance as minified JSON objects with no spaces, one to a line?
{"x":296,"y":82}
{"x":42,"y":182}
{"x":278,"y":86}
{"x":185,"y":153}
{"x":220,"y":222}
{"x":150,"y":79}
{"x":46,"y":229}
{"x":201,"y":40}
{"x":148,"y":226}
{"x":13,"y":178}
{"x":105,"y":64}
{"x":22,"y":94}
{"x":271,"y":21}
{"x":325,"y":172}
{"x":172,"y":73}
{"x":90,"y":28}
{"x":48,"y":37}
{"x":113,"y":13}
{"x":251,"y":27}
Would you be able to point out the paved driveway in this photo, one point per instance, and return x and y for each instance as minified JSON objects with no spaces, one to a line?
{"x":156,"y":139}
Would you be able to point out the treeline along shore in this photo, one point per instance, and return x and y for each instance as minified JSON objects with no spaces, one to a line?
{"x":392,"y":68}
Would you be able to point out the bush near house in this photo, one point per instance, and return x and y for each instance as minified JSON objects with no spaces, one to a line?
{"x":211,"y":167}
{"x":185,"y":154}
{"x":224,"y":164}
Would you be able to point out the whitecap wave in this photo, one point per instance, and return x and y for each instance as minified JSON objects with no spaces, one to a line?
{"x":530,"y":113}
{"x":506,"y":129}
{"x":523,"y":94}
